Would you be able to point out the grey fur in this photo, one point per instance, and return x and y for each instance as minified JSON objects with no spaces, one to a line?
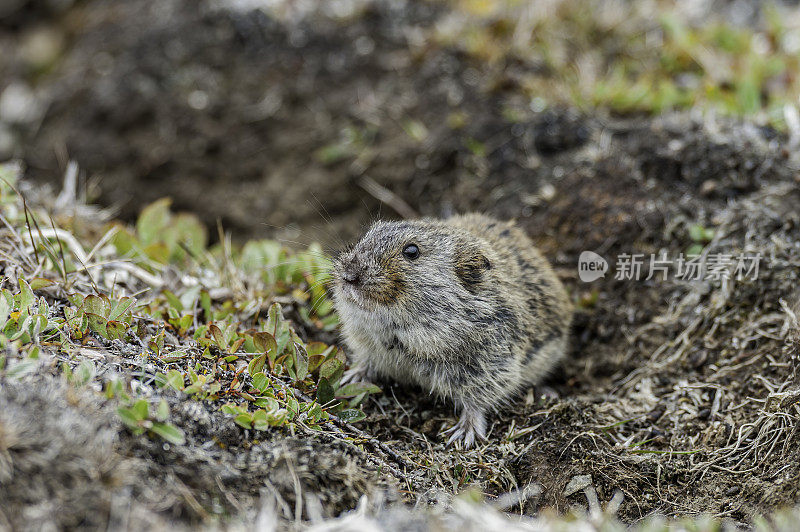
{"x":479,"y":316}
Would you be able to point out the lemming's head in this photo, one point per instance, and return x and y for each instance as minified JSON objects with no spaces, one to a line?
{"x":398,"y":263}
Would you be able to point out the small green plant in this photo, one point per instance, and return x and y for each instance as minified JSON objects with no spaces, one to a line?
{"x":352,"y":142}
{"x":100,"y":314}
{"x":283,"y":362}
{"x":261,"y":419}
{"x":700,"y":236}
{"x":285,"y":380}
{"x":739,"y":70}
{"x":203,"y":387}
{"x":140,"y":417}
{"x":82,"y":375}
{"x":161,"y":235}
{"x":282,"y":271}
{"x":23,"y":316}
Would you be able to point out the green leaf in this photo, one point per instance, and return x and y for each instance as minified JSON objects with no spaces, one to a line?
{"x":123,"y":240}
{"x":153,"y":220}
{"x":700,"y":234}
{"x":257,"y":364}
{"x":116,"y":330}
{"x":300,"y":361}
{"x":43,"y":308}
{"x":260,"y":381}
{"x":324,"y":391}
{"x":351,"y":415}
{"x":120,"y":307}
{"x":175,"y":356}
{"x":265,"y":343}
{"x":261,"y":424}
{"x":186,"y":321}
{"x":694,"y":250}
{"x":113,"y":388}
{"x":23,"y":367}
{"x":236,"y":345}
{"x":244,"y":420}
{"x":173,"y":300}
{"x":318,"y":348}
{"x":191,"y":233}
{"x":316,"y":413}
{"x":5,"y":312}
{"x":219,"y":338}
{"x":141,"y":409}
{"x":26,"y":295}
{"x":213,"y":388}
{"x":76,"y":299}
{"x":332,"y":369}
{"x":158,"y":251}
{"x":129,"y":417}
{"x":233,"y":409}
{"x":39,"y":282}
{"x":95,"y":305}
{"x":317,"y":353}
{"x":193,"y":388}
{"x":268,"y":403}
{"x":20,"y":332}
{"x":175,"y":379}
{"x":169,"y":432}
{"x":33,"y":354}
{"x":83,"y":373}
{"x":356,"y":388}
{"x":156,"y":344}
{"x":274,"y":319}
{"x":477,"y":148}
{"x":278,"y":417}
{"x":292,"y":406}
{"x":259,"y":415}
{"x":97,"y":324}
{"x":205,"y":304}
{"x":37,"y":324}
{"x":416,"y":130}
{"x":162,"y":410}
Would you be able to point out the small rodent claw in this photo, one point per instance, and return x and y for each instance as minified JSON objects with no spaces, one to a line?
{"x":471,"y":426}
{"x":459,"y":435}
{"x":356,"y":374}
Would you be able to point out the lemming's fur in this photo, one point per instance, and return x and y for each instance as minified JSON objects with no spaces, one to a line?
{"x":477,"y":317}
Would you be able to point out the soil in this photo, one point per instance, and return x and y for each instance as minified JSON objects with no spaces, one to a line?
{"x":683,"y":396}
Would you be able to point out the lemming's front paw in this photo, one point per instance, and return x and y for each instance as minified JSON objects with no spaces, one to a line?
{"x":358,"y":373}
{"x":470,"y":427}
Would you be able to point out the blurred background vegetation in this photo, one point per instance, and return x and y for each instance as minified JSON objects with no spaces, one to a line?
{"x":737,"y":58}
{"x":248,"y":101}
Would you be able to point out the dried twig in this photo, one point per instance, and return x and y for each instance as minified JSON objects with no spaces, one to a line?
{"x":384,"y":195}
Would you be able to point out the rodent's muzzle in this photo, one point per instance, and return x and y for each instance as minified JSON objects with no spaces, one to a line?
{"x":352,"y":273}
{"x":351,"y":277}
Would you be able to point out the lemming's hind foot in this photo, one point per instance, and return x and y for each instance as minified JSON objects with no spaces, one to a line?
{"x":470,"y":427}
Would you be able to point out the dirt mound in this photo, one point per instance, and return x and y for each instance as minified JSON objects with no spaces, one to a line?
{"x":683,"y":395}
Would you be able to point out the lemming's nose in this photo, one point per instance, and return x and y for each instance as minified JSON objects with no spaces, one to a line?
{"x":350,"y":275}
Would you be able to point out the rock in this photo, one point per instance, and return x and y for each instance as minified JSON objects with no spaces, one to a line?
{"x":577,"y":483}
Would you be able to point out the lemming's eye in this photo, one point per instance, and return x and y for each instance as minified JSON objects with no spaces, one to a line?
{"x":411,"y":251}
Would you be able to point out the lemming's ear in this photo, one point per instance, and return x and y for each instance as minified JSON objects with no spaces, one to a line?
{"x":470,"y":266}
